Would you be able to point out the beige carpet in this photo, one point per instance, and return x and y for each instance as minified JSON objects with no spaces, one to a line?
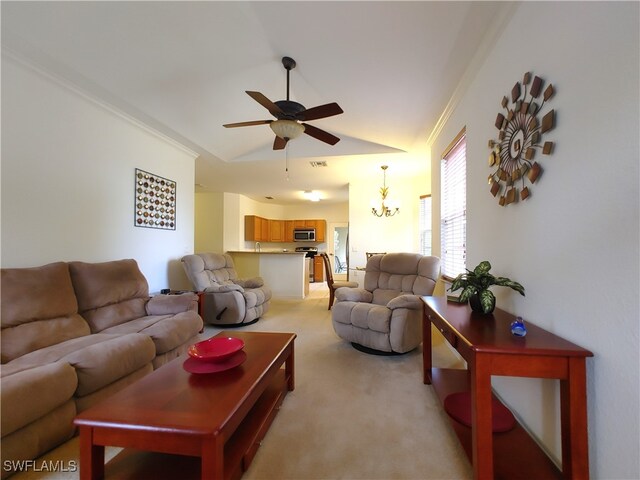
{"x":351,"y":415}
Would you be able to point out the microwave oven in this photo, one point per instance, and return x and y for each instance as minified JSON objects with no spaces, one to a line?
{"x":304,"y":234}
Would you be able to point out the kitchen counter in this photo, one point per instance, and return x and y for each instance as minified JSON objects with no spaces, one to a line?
{"x":262,"y":252}
{"x":283,"y":272}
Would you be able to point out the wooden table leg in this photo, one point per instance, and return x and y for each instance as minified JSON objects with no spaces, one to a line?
{"x":91,"y":456}
{"x":426,"y":348}
{"x":573,"y":408}
{"x":289,"y":369}
{"x":212,"y":458}
{"x":481,"y":433}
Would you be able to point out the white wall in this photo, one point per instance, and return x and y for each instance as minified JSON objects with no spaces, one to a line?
{"x":368,"y":233}
{"x":68,"y":181}
{"x":209,"y":222}
{"x":574,"y":244}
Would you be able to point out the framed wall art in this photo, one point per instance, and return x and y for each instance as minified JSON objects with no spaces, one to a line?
{"x":155,"y":201}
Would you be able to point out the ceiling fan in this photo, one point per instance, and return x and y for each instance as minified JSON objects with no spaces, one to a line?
{"x":290,"y":115}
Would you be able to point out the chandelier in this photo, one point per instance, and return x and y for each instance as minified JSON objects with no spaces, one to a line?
{"x":385,"y":210}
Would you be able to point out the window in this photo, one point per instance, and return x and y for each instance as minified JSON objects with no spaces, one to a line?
{"x":453,"y":215}
{"x":425,"y":225}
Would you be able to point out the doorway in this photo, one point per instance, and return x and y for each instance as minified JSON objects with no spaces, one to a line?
{"x":338,"y":249}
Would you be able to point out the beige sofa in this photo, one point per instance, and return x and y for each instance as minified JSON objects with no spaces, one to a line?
{"x":74,"y":333}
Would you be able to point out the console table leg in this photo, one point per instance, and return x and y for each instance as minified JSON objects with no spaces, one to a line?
{"x":573,"y":405}
{"x":427,"y":361}
{"x":482,"y":435}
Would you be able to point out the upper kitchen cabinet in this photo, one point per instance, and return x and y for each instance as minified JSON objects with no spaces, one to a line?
{"x":256,"y":229}
{"x":321,"y":230}
{"x":288,"y":230}
{"x":277,"y":231}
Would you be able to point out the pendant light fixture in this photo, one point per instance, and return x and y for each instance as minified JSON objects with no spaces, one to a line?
{"x":385,"y":209}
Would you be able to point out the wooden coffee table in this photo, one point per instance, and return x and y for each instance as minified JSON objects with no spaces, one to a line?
{"x":218,"y":417}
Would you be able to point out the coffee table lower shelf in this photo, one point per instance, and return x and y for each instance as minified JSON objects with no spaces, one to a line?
{"x":239,"y":450}
{"x":515,"y":454}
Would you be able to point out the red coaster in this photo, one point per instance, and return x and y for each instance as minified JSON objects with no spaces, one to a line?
{"x":458,"y":405}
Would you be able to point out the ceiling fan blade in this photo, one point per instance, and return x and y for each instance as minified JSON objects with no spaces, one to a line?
{"x":321,"y":135}
{"x":322,"y":111}
{"x":279,"y":143}
{"x":247,"y":124}
{"x":266,"y":103}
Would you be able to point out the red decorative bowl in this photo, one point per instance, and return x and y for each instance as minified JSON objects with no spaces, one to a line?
{"x":215,"y":349}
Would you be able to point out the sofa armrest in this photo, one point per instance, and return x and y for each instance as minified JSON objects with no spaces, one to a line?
{"x":172,"y":304}
{"x":255,"y":282}
{"x":348,"y":294}
{"x":411,"y":302}
{"x":224,"y":288}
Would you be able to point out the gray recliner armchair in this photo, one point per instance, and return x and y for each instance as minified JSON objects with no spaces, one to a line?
{"x":385,"y":317}
{"x":226,"y":300}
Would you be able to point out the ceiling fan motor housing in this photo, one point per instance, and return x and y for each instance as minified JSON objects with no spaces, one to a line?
{"x":289,"y":109}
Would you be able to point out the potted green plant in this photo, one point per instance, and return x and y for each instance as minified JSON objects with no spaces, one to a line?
{"x":475,"y":287}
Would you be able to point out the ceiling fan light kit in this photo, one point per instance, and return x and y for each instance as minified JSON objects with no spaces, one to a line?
{"x":290,"y":115}
{"x":287,"y":129}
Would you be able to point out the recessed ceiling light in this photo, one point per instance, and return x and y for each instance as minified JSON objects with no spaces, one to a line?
{"x":311,"y":195}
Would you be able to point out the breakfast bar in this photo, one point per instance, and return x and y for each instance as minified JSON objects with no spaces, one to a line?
{"x":285,"y":272}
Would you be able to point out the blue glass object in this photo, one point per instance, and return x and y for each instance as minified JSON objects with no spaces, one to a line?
{"x":517,"y":327}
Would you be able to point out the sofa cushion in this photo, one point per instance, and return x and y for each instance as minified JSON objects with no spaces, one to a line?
{"x":172,"y":304}
{"x":38,"y":309}
{"x":31,"y":394}
{"x":166,"y":331}
{"x":109,"y":293}
{"x":98,"y":359}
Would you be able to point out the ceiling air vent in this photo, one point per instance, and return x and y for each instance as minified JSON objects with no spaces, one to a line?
{"x":318,"y":164}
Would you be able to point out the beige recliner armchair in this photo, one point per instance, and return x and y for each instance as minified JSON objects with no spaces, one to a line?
{"x":385,"y":317}
{"x":226,"y":300}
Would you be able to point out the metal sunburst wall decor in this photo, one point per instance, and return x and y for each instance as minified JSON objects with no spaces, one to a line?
{"x":519,"y":137}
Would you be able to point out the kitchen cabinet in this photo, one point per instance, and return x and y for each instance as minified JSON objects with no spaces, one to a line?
{"x":318,"y":269}
{"x":256,"y":229}
{"x":276,"y":231}
{"x":321,"y":230}
{"x":288,"y":230}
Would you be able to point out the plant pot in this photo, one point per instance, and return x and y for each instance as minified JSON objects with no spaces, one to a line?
{"x":476,"y":304}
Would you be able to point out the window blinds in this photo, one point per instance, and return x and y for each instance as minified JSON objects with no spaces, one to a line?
{"x":454,"y":208}
{"x":425,"y":225}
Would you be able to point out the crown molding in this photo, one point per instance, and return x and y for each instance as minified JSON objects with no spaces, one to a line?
{"x":87,"y":89}
{"x":486,"y":46}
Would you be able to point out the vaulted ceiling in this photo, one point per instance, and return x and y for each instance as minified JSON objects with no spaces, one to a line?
{"x":183,"y":68}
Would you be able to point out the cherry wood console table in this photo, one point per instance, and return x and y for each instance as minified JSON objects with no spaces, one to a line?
{"x":489,"y":348}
